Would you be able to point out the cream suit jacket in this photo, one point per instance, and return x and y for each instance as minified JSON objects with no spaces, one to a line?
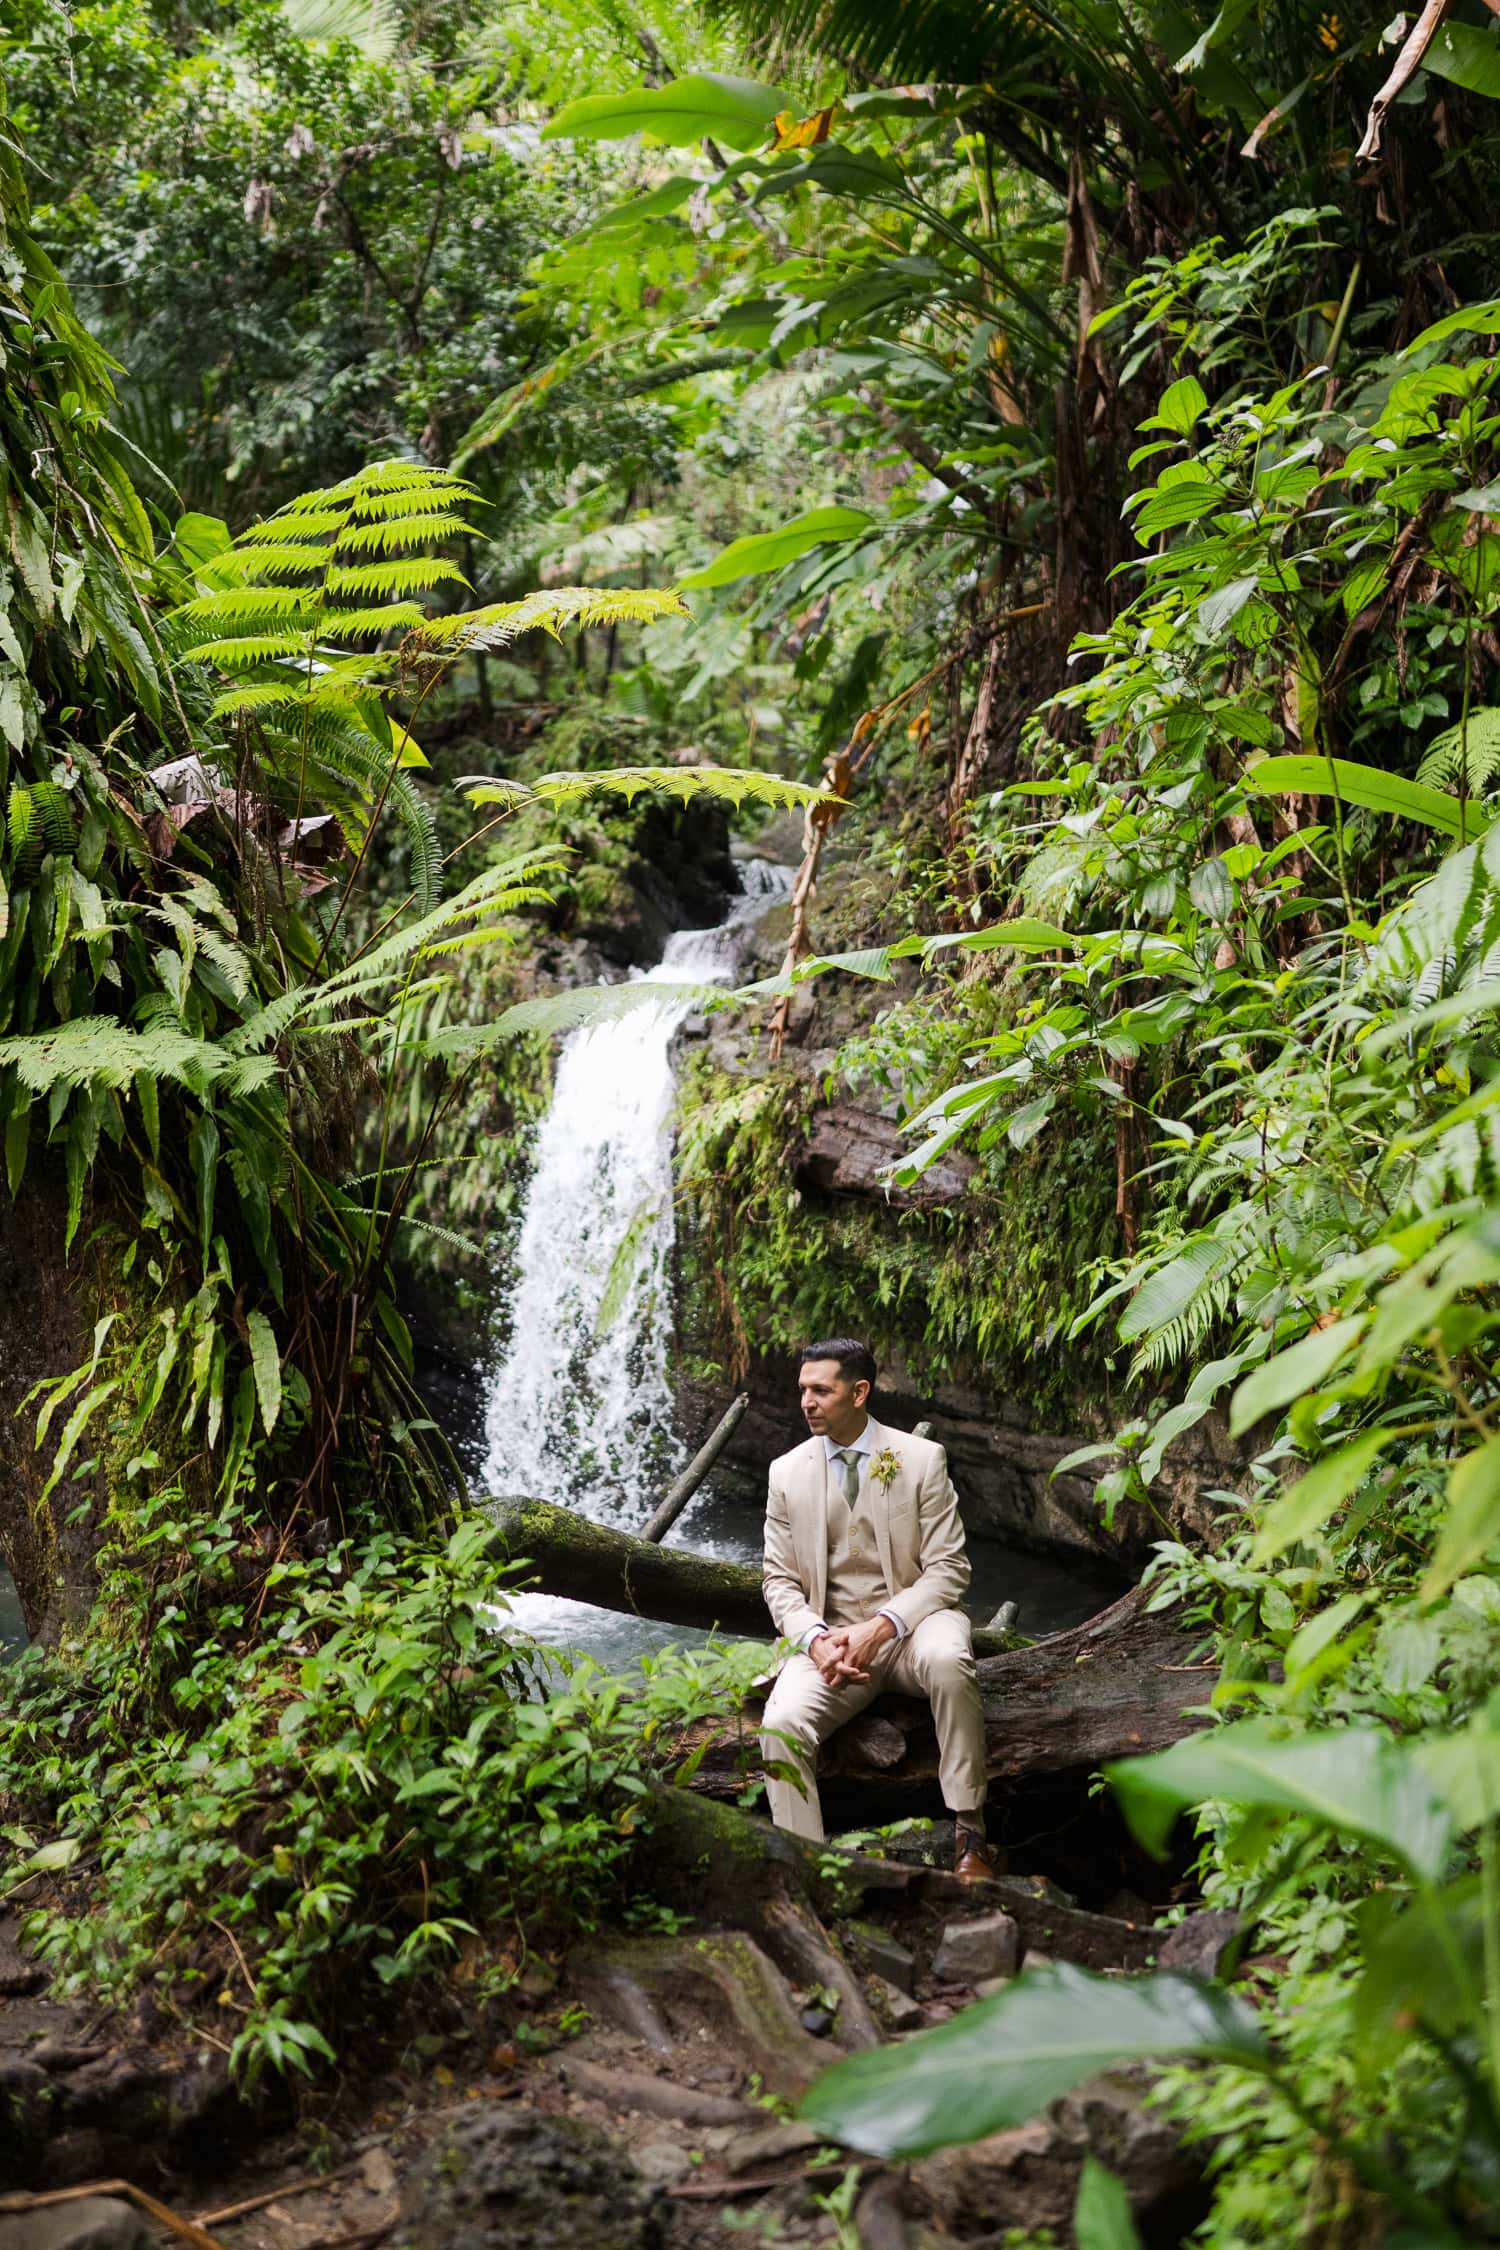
{"x":917,"y":1531}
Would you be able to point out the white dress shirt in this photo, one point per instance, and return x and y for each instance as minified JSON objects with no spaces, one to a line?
{"x":864,"y":1446}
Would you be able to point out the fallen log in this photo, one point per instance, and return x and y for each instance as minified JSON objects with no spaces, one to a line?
{"x":1120,"y":1684}
{"x":1115,"y":1687}
{"x":590,"y":1562}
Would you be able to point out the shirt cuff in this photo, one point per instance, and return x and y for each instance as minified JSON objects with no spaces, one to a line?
{"x":898,"y":1622}
{"x":811,"y":1635}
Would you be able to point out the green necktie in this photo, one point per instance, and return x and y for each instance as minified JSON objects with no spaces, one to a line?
{"x":850,"y":1460}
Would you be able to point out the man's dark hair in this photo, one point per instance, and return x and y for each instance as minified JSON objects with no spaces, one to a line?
{"x":856,"y":1360}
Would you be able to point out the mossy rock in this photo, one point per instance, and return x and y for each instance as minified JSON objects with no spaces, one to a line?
{"x":508,"y":2179}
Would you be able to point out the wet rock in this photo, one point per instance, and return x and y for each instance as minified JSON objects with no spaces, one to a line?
{"x":897,"y":2010}
{"x":1027,"y":2179}
{"x":817,"y":2022}
{"x":95,"y":2222}
{"x":987,"y":1946}
{"x":849,"y":1150}
{"x":508,"y":2179}
{"x":878,"y":1954}
{"x":661,"y":2162}
{"x":1200,"y":1943}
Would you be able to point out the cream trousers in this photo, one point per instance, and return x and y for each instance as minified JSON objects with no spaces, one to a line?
{"x":935,"y":1660}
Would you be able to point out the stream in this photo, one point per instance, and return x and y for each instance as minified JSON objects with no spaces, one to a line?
{"x":580,"y":1408}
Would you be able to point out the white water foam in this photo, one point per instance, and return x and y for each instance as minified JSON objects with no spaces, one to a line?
{"x":580,"y":1410}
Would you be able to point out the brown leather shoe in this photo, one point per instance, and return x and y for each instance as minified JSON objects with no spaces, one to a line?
{"x":972,"y":1859}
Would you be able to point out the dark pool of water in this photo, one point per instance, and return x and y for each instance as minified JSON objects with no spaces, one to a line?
{"x":12,"y":1623}
{"x":1052,"y":1592}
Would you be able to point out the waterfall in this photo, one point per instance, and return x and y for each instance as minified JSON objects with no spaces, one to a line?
{"x":580,"y":1410}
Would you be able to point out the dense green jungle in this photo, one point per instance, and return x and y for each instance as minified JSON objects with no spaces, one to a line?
{"x":677,"y":675}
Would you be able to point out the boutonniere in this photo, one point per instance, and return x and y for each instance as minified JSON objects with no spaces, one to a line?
{"x":885,"y":1468}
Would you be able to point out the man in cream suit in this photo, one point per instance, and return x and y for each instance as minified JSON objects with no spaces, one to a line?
{"x":865,"y":1570}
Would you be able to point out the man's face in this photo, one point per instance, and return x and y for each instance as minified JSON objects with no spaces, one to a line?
{"x":832,"y":1405}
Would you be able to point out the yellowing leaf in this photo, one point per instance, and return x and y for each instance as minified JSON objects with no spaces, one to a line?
{"x":788,"y":131}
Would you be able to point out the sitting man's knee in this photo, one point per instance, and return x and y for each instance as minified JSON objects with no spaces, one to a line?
{"x":951,"y":1668}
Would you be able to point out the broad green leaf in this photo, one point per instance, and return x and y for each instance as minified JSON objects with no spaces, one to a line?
{"x":1464,"y":1769}
{"x":265,"y":1357}
{"x":1024,"y":1124}
{"x":1472,"y":1524}
{"x":1278,"y":1381}
{"x":1217,"y":611}
{"x":659,"y":204}
{"x":1172,"y":1425}
{"x":1022,"y":931}
{"x":1181,"y":405}
{"x":1003,"y":2060}
{"x":1178,"y":504}
{"x":1320,"y":1632}
{"x":706,"y":105}
{"x":1469,"y":320}
{"x":1307,"y":1505}
{"x":1211,"y":889}
{"x":1355,"y":1780}
{"x":839,"y":171}
{"x":1466,"y":56}
{"x":1424,"y":1960}
{"x":771,"y":550}
{"x":1360,"y":785}
{"x":1101,"y":2215}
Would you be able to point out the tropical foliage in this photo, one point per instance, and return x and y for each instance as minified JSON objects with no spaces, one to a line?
{"x":1070,"y":430}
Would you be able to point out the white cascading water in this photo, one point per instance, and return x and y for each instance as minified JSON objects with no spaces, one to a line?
{"x":580,"y":1410}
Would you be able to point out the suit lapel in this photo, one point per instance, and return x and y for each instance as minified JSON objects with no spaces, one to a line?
{"x":880,"y":1501}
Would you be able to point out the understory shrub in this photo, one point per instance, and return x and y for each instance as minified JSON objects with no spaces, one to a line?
{"x":356,"y":1771}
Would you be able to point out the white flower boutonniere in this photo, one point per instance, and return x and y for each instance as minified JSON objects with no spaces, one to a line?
{"x":885,"y":1468}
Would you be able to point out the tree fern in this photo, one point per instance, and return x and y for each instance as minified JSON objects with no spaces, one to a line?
{"x":1466,"y":756}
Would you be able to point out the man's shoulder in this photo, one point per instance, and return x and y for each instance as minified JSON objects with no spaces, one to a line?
{"x":800,"y":1457}
{"x":918,"y":1455}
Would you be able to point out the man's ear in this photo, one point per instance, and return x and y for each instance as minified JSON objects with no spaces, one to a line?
{"x":862,"y":1391}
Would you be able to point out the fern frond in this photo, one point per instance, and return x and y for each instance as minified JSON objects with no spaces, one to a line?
{"x":1466,"y":756}
{"x":563,"y":1011}
{"x":249,"y":649}
{"x":266,"y":558}
{"x":548,"y":611}
{"x":388,"y":535}
{"x":373,"y":624}
{"x":735,"y":784}
{"x":412,"y":576}
{"x":235,"y":605}
{"x":100,"y":1051}
{"x":308,"y":518}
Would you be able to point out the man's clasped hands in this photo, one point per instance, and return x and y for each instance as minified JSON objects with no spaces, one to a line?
{"x":845,"y":1652}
